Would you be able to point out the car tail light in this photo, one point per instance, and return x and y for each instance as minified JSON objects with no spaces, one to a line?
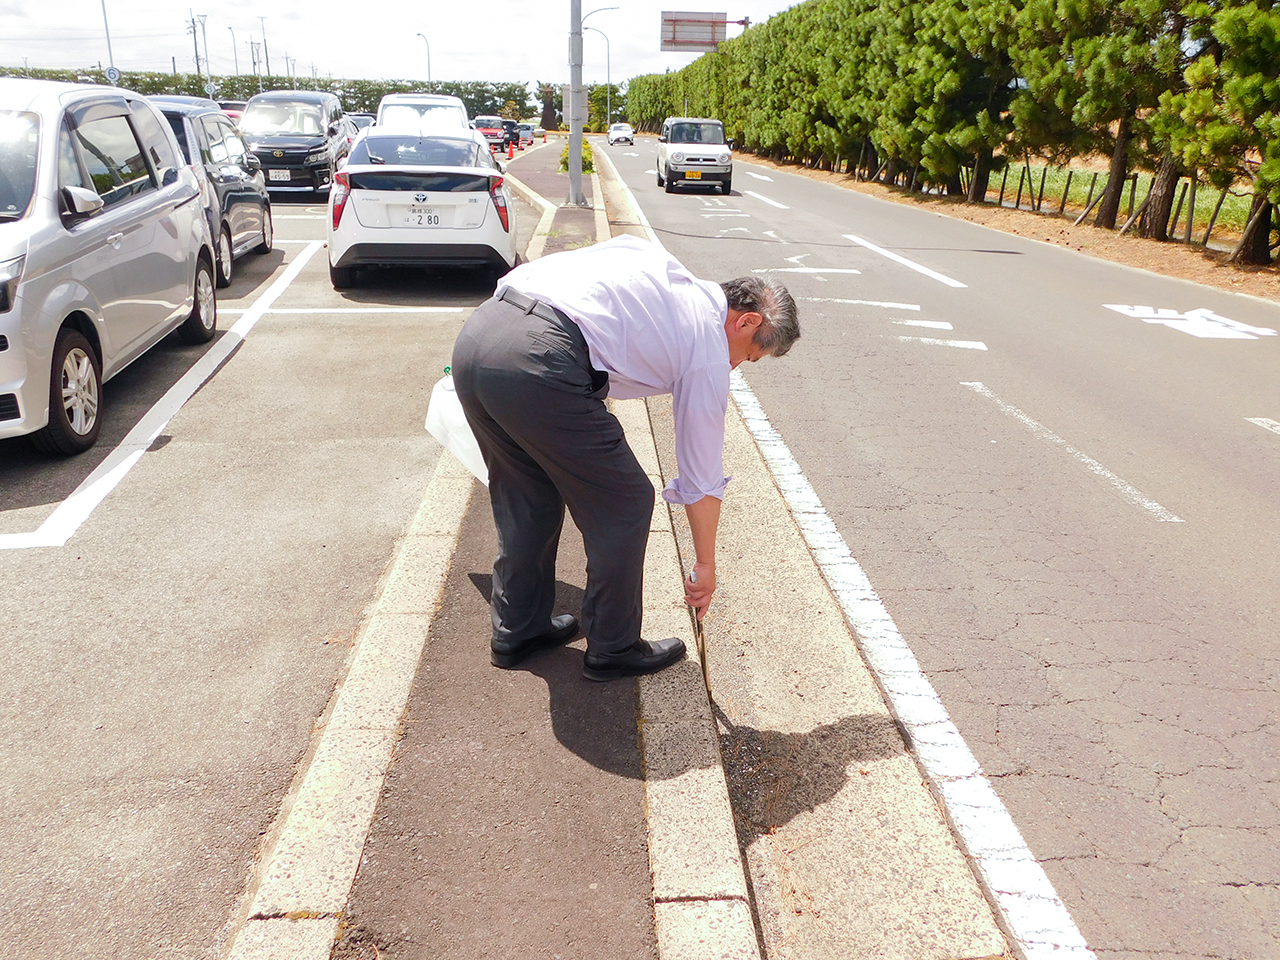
{"x":499,"y":201}
{"x":340,"y":192}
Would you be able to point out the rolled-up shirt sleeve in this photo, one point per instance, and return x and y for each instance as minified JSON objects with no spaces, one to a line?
{"x":700,"y":400}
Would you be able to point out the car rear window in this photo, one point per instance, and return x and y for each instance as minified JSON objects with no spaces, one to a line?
{"x":180,"y":131}
{"x":416,"y":152}
{"x":19,"y":146}
{"x":427,"y":182}
{"x":423,"y":117}
{"x":697,"y":133}
{"x":488,"y":122}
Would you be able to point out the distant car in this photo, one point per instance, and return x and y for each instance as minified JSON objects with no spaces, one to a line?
{"x":407,"y":199}
{"x":692,"y":150}
{"x":526,"y":133}
{"x":539,"y":132}
{"x":299,"y":136}
{"x":511,"y":129}
{"x":104,"y":250}
{"x":361,"y":120}
{"x":232,"y":108}
{"x":231,"y":179}
{"x":424,"y":111}
{"x":492,"y":130}
{"x":621,"y":133}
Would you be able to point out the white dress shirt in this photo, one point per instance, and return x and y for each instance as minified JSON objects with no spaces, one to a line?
{"x":654,"y":328}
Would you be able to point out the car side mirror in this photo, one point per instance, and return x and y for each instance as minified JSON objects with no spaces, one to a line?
{"x":170,"y":177}
{"x":662,"y":139}
{"x":333,"y":129}
{"x":502,"y":167}
{"x":253,"y":163}
{"x":80,"y":203}
{"x":729,"y":144}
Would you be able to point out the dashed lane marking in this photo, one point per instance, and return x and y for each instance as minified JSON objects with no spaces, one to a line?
{"x":898,"y":258}
{"x":806,"y":270}
{"x":1128,"y":492}
{"x":1035,"y":916}
{"x":1264,"y":422}
{"x":66,"y":518}
{"x":930,"y":324}
{"x":869,"y":303}
{"x":758,"y":176}
{"x":772,"y":203}
{"x":960,"y":344}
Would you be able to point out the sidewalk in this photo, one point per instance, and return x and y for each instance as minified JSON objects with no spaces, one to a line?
{"x":532,"y":813}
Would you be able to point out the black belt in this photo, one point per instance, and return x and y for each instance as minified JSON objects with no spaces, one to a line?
{"x":529,"y":305}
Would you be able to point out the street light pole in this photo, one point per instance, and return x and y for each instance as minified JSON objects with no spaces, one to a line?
{"x":606,"y":45}
{"x":265,"y":52}
{"x":234,"y":52}
{"x":208,"y":74}
{"x":428,"y":43}
{"x":608,"y":83}
{"x":111,"y":60}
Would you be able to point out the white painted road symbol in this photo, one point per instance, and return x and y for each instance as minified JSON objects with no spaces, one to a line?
{"x":1201,"y":322}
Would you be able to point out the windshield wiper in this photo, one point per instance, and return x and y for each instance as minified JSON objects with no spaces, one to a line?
{"x":374,"y":158}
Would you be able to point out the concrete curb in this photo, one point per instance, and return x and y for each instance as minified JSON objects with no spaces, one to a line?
{"x":306,"y":873}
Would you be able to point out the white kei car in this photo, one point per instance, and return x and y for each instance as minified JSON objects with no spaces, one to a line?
{"x":419,"y":199}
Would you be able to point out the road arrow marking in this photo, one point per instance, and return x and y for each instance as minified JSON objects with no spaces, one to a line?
{"x":1202,"y":322}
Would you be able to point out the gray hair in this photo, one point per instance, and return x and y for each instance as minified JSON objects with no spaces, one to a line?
{"x":770,"y":299}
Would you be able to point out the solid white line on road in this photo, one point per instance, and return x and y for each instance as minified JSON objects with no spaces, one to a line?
{"x":1034,"y":914}
{"x":758,"y":176}
{"x":1093,"y":466}
{"x":711,"y":215}
{"x":307,"y":310}
{"x":66,"y":518}
{"x":869,"y":303}
{"x":805,"y":270}
{"x":298,"y":216}
{"x":1264,"y":422}
{"x":962,"y":344}
{"x":897,"y":258}
{"x":772,"y":203}
{"x":931,"y":324}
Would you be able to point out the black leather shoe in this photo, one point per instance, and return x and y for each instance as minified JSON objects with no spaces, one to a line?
{"x":507,"y":655}
{"x":643,"y":656}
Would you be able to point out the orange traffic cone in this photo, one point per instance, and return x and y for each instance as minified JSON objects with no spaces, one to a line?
{"x":511,"y":150}
{"x":544,"y":136}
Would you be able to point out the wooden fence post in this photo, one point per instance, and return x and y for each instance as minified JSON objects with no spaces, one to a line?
{"x":1133,"y":190}
{"x":1173,"y":227}
{"x":1017,"y":204}
{"x":1213,"y":219}
{"x":1043,"y":173}
{"x":1003,"y":181}
{"x":1088,"y":201}
{"x":1191,"y":210}
{"x":1063,"y":205}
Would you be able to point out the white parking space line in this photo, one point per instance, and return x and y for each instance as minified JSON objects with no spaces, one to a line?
{"x":303,"y":311}
{"x":961,"y":344}
{"x":806,"y":270}
{"x":758,"y":176}
{"x":1093,"y":466}
{"x":870,"y":303}
{"x":298,"y":216}
{"x":918,"y":268}
{"x":1034,"y":915}
{"x":66,"y":518}
{"x":930,"y":324}
{"x":1264,"y":422}
{"x":772,"y":203}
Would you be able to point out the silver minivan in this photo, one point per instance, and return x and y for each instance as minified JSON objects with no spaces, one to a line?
{"x":104,"y":249}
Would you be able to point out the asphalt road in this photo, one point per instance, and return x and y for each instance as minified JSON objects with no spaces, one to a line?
{"x":166,"y":666}
{"x":1068,"y":512}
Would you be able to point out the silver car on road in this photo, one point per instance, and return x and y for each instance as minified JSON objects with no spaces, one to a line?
{"x":104,"y":249}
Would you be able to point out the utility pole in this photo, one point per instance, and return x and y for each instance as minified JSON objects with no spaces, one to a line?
{"x":234,"y":52}
{"x":208,"y":77}
{"x":265,"y":52}
{"x":195,"y":41}
{"x":576,"y":197}
{"x":111,"y":60}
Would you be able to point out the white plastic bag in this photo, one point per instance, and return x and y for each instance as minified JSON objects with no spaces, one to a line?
{"x":448,"y":424}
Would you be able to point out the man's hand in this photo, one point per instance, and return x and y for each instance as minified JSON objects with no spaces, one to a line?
{"x":699,"y":586}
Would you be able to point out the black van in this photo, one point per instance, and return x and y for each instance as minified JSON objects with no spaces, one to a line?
{"x":298,"y":136}
{"x":239,"y":208}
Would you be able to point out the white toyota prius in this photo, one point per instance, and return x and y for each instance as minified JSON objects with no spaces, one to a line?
{"x":406,"y":198}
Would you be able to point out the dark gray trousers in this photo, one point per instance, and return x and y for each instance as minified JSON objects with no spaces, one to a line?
{"x":537,"y":409}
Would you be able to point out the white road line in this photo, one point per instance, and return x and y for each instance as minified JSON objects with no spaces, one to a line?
{"x":1264,"y":422}
{"x":758,"y":176}
{"x":66,"y":518}
{"x":931,"y":324}
{"x":1034,"y":914}
{"x":870,"y":303}
{"x":805,"y":270}
{"x":298,"y":216}
{"x":918,"y":268}
{"x":1044,"y":433}
{"x":772,"y":203}
{"x":962,"y":344}
{"x":307,"y":310}
{"x":707,"y":216}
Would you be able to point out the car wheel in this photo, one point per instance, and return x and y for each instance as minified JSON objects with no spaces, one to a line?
{"x":203,"y":322}
{"x":74,"y":387}
{"x":342,"y":277}
{"x":671,"y":187}
{"x":725,"y":186}
{"x":226,"y":262}
{"x":268,"y":232}
{"x":659,"y":178}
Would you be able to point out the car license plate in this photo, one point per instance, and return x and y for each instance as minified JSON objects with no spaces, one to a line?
{"x":278,"y":174}
{"x":421,"y":217}
{"x":693,"y":175}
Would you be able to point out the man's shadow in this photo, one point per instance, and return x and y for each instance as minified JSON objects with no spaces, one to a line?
{"x":773,"y":776}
